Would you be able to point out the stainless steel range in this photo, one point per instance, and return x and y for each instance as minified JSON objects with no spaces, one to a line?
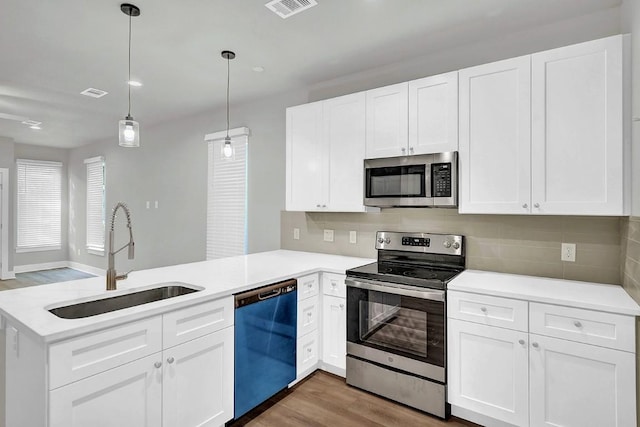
{"x":396,"y":318}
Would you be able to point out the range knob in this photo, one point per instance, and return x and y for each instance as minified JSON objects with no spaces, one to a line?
{"x":380,"y":240}
{"x":456,"y":245}
{"x":446,"y":244}
{"x":387,"y":240}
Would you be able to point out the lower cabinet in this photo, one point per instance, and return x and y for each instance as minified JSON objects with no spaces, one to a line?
{"x":334,"y":333}
{"x":499,"y":375}
{"x":183,"y":386}
{"x":489,"y":371}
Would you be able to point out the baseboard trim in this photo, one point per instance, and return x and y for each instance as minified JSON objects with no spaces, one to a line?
{"x":58,"y":264}
{"x":9,"y":275}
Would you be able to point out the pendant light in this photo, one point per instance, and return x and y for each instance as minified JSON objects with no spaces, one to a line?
{"x":227,"y":149}
{"x":129,"y":129}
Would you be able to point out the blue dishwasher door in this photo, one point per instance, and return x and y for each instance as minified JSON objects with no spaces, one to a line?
{"x":265,"y":349}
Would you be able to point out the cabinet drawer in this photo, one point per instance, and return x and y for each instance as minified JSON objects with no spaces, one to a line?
{"x":87,"y":355}
{"x":308,"y":312}
{"x":307,"y":353}
{"x":196,"y":321}
{"x":333,"y":284}
{"x":590,"y":327}
{"x":488,"y":310}
{"x":308,"y":286}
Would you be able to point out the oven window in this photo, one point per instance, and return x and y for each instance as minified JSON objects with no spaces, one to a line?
{"x":397,"y":181}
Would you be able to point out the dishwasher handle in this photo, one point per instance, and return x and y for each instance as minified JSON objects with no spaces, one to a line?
{"x":265,"y":293}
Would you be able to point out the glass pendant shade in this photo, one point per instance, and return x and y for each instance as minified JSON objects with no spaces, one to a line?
{"x":129,"y":132}
{"x":227,"y":148}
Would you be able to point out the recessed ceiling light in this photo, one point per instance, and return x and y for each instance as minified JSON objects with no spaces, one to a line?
{"x":94,"y":93}
{"x":31,"y":123}
{"x":35,"y":127}
{"x":134,"y":83}
{"x":258,"y":69}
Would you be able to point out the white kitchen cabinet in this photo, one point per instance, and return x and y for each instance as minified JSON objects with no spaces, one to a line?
{"x":546,"y":133}
{"x":387,"y":121}
{"x":334,"y":334}
{"x":566,"y":367}
{"x":433,"y":114}
{"x":309,"y":312}
{"x":325,"y":153}
{"x":129,"y":395}
{"x":579,"y":145}
{"x":489,"y":371}
{"x":574,"y":384}
{"x":495,"y":137}
{"x":197,"y":387}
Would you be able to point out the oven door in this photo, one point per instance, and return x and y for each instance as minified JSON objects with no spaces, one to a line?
{"x":400,"y":327}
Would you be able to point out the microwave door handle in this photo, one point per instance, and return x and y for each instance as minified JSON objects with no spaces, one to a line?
{"x":428,"y":177}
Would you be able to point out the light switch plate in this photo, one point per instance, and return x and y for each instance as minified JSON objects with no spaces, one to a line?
{"x":328,"y":235}
{"x":568,"y":252}
{"x":296,"y":234}
{"x":353,"y":237}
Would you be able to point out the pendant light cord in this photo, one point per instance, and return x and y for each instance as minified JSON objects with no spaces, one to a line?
{"x":129,"y":81}
{"x":228,"y":60}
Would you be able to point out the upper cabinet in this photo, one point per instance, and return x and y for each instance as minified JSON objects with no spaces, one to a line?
{"x":325,"y":153}
{"x":387,"y":121}
{"x":416,"y":117}
{"x":546,"y":133}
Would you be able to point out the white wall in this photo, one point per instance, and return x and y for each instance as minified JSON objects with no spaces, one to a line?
{"x":7,"y":161}
{"x":171,"y":167}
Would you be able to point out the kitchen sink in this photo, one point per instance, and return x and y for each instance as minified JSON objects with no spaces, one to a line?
{"x":132,"y":299}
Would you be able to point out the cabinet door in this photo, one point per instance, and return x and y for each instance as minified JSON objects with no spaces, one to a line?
{"x":344,"y":138}
{"x":305,"y":158}
{"x":495,"y":137}
{"x":488,"y":371}
{"x":387,"y":121}
{"x":433,"y":114}
{"x":334,"y":331}
{"x":127,"y":396}
{"x":577,"y":129}
{"x":198,"y":381}
{"x":577,"y":385}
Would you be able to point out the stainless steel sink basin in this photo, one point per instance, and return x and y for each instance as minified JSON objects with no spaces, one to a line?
{"x":105,"y":305}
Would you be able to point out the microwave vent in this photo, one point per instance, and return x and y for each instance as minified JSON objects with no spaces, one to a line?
{"x":288,"y":8}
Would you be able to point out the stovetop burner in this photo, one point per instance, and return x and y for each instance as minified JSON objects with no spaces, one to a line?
{"x":415,"y":259}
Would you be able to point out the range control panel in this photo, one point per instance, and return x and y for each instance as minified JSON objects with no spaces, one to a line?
{"x":433,"y":243}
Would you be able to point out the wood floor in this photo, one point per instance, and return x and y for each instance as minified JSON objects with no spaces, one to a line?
{"x":326,"y":400}
{"x":42,"y":278}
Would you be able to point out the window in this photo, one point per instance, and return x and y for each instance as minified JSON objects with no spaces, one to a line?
{"x":227,"y":196}
{"x":95,"y":205}
{"x":39,"y":205}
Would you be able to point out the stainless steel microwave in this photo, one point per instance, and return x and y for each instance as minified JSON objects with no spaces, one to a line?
{"x":423,"y":180}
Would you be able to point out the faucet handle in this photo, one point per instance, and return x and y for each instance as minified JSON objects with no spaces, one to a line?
{"x":123,"y":276}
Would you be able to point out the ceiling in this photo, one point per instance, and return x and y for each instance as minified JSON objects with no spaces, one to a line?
{"x":52,"y":50}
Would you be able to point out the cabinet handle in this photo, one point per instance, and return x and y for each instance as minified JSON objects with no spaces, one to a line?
{"x":334,"y":284}
{"x":535,"y":345}
{"x":324,"y":206}
{"x":411,"y":149}
{"x":536,"y":205}
{"x":309,"y":350}
{"x":158,"y":365}
{"x":317,"y":206}
{"x":403,"y":149}
{"x":577,"y":324}
{"x":483,"y":309}
{"x":171,"y":360}
{"x":521,"y":342}
{"x":525,"y":206}
{"x":341,"y":305}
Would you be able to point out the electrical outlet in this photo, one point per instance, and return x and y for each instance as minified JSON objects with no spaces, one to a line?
{"x":296,"y":234}
{"x":568,"y":252}
{"x":328,"y":235}
{"x":148,"y":204}
{"x":156,"y":204}
{"x":353,"y":237}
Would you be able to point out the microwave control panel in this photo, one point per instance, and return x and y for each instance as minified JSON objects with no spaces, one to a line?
{"x":441,"y":180}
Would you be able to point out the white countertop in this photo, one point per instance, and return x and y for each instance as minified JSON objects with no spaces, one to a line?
{"x":28,"y":307}
{"x":593,"y":296}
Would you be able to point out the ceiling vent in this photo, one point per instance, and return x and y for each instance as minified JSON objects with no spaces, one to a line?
{"x":288,"y":8}
{"x":31,"y":123}
{"x":94,"y":93}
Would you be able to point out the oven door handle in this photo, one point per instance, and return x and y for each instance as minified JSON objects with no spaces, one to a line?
{"x":430,"y":294}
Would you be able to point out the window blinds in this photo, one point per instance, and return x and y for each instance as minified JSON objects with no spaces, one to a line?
{"x":39,"y":205}
{"x":95,"y":205}
{"x":227,"y":200}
